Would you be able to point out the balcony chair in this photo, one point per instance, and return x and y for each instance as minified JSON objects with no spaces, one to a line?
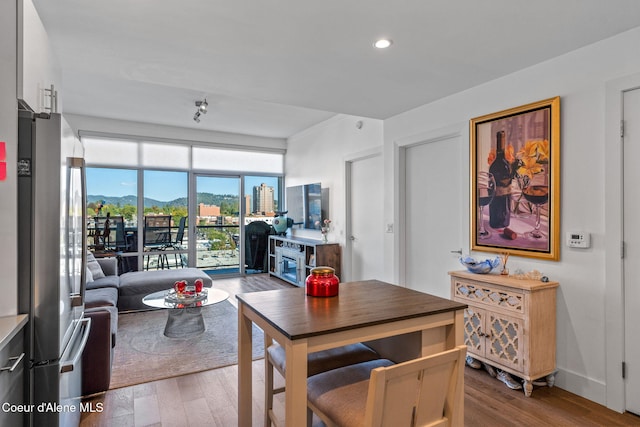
{"x":113,"y":238}
{"x":317,"y":362}
{"x":157,"y":235}
{"x":176,"y":244}
{"x":420,"y":392}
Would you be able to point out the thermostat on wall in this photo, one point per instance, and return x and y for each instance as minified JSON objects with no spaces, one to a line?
{"x":578,"y":240}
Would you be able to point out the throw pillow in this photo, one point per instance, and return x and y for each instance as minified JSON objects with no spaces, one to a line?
{"x":89,"y":276}
{"x":94,"y":267}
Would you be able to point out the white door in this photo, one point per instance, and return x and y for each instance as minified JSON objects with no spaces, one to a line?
{"x":433,"y":213}
{"x":366,"y":239}
{"x":631,"y":227}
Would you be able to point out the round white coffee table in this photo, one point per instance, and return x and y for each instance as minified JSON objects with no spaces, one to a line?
{"x":184,"y":319}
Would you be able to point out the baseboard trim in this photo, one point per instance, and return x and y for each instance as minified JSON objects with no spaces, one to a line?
{"x":586,"y":387}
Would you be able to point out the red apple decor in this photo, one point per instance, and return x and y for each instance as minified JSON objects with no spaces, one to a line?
{"x":187,"y":294}
{"x":180,"y":286}
{"x":199,"y":285}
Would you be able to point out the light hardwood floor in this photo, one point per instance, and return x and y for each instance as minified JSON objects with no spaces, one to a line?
{"x":210,"y":399}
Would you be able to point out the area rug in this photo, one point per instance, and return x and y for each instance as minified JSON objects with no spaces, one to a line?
{"x":144,"y":354}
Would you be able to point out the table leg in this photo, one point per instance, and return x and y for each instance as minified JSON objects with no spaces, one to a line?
{"x":296,"y":384}
{"x":268,"y":382}
{"x":456,"y":338}
{"x":245,"y":351}
{"x":184,"y":322}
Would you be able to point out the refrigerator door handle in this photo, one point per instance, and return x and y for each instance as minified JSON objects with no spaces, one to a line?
{"x":76,"y":300}
{"x":77,"y":163}
{"x":68,"y":364}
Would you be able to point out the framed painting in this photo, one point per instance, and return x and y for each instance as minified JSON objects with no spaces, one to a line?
{"x":515,"y":180}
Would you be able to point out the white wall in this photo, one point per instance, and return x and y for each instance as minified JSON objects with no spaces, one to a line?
{"x":318,"y":154}
{"x":580,"y":78}
{"x":8,"y":134}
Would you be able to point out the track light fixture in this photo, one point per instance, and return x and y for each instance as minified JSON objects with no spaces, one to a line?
{"x":202,"y":109}
{"x":202,"y":106}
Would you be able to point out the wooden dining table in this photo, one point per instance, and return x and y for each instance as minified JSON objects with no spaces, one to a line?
{"x":362,"y":311}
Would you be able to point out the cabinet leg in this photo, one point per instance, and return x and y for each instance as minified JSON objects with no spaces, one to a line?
{"x":528,"y":388}
{"x":551,"y":379}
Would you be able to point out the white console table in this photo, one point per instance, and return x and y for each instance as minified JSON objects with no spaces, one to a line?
{"x":291,"y":259}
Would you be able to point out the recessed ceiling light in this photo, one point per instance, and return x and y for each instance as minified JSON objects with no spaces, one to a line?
{"x":383,"y":43}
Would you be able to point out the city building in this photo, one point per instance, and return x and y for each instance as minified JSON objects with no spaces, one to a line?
{"x":263,"y":199}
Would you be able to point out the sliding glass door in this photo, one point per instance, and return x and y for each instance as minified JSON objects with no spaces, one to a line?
{"x":164,"y":241}
{"x":217,"y":224}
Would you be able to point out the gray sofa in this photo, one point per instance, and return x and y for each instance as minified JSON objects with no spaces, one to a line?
{"x":106,"y":294}
{"x":127,"y":290}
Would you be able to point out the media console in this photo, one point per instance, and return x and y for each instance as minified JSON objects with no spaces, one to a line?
{"x":291,"y":259}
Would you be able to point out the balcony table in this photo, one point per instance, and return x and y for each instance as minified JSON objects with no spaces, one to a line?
{"x":362,"y":311}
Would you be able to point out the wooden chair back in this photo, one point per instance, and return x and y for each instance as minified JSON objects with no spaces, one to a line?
{"x":420,"y":392}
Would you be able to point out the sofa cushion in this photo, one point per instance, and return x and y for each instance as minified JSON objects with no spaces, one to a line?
{"x":101,"y":297}
{"x":147,"y":282}
{"x":325,"y":360}
{"x":342,"y":393}
{"x":94,"y":267}
{"x":136,"y":285}
{"x":109,"y":265}
{"x":105,"y":282}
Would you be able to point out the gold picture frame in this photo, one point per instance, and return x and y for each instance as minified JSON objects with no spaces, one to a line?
{"x":515,"y":180}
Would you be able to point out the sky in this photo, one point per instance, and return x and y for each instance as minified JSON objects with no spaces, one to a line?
{"x":164,"y":186}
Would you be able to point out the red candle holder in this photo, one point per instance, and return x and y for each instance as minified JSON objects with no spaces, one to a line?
{"x":322,"y":282}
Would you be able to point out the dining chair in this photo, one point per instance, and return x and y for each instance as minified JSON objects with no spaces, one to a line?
{"x":317,"y":362}
{"x":420,"y":392}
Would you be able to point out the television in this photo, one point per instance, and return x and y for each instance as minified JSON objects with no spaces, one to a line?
{"x":307,"y":205}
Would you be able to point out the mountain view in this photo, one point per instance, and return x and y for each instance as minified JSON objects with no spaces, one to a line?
{"x":206,"y":198}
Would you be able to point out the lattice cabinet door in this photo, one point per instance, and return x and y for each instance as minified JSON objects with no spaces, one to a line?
{"x":474,"y":336}
{"x":504,"y":343}
{"x":509,"y":323}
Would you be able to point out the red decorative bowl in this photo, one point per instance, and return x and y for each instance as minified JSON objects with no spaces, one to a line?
{"x":322,"y":282}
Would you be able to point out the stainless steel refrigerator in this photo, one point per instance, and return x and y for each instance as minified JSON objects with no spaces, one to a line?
{"x":51,"y":267}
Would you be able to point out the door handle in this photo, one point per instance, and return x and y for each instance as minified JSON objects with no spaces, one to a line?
{"x":352,"y":238}
{"x":459,"y":252}
{"x":16,"y":361}
{"x":70,"y":365}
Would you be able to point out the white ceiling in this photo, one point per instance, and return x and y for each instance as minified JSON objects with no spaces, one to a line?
{"x":275,"y":67}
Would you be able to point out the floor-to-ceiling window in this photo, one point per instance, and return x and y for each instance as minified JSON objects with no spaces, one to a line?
{"x":181,"y":205}
{"x":166,"y":210}
{"x":218,"y":223}
{"x":112,"y":213}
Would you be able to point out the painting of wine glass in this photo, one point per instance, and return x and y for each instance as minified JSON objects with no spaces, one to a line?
{"x":486,"y":191}
{"x":515,"y":172}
